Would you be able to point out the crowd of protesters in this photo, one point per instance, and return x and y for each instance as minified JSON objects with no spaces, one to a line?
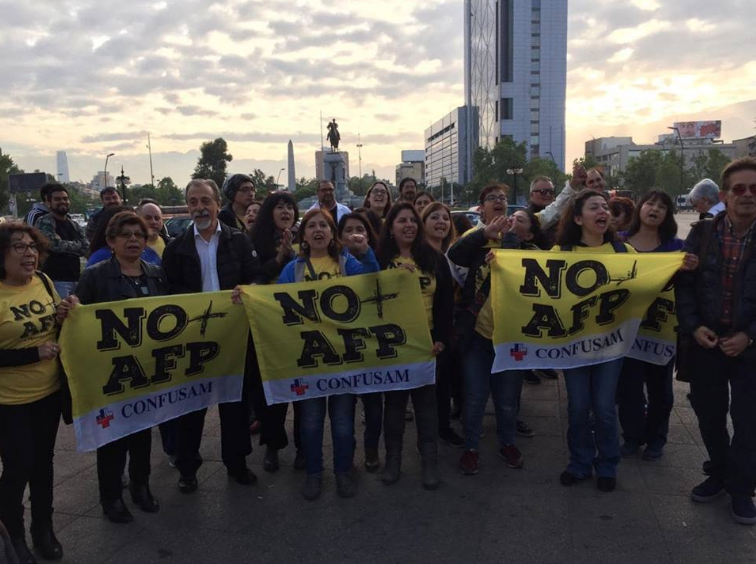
{"x":264,"y":242}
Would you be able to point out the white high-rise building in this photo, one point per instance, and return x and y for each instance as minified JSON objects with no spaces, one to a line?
{"x":516,"y":73}
{"x":63,"y":176}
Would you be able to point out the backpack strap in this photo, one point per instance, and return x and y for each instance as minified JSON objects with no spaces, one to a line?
{"x":566,"y":248}
{"x":619,"y":247}
{"x":46,"y":282}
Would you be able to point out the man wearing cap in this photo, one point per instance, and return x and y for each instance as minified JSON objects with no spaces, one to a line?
{"x":110,"y":197}
{"x":239,"y":190}
{"x":327,"y":201}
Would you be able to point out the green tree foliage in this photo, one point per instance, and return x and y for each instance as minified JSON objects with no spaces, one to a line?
{"x":640,"y":173}
{"x":7,"y":167}
{"x":168,"y":194}
{"x":212,"y":161}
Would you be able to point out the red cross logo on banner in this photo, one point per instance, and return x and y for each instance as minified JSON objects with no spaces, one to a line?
{"x":518,"y":352}
{"x":300,"y":387}
{"x":104,"y":418}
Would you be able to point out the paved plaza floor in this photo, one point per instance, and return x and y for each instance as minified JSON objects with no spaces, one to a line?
{"x":500,"y":515}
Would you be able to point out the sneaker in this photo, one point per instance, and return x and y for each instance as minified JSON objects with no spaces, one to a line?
{"x":512,"y":456}
{"x":531,"y":378}
{"x":629,"y":449}
{"x":469,"y":462}
{"x":345,"y":484}
{"x":653,"y":454}
{"x":708,"y":490}
{"x":451,"y":438}
{"x":606,"y":484}
{"x":312,"y":486}
{"x":743,"y":510}
{"x":525,"y":430}
{"x":548,"y":373}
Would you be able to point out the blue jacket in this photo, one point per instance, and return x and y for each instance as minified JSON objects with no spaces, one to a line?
{"x":350,"y":266}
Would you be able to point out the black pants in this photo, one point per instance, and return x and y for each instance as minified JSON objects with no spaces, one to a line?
{"x":714,"y":378}
{"x":111,"y":459}
{"x":641,"y":424}
{"x":27,"y":440}
{"x":443,"y":389}
{"x":426,"y":418}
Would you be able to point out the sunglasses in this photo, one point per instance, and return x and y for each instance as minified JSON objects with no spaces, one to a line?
{"x":740,"y":189}
{"x":545,"y":191}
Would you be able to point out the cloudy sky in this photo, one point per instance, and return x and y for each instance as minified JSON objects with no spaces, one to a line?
{"x":93,"y":77}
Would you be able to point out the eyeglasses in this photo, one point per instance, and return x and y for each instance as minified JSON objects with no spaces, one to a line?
{"x":378,"y":191}
{"x":247,"y":190}
{"x":21,"y":248}
{"x":545,"y":191}
{"x":129,"y":234}
{"x":740,"y":189}
{"x":493,"y":198}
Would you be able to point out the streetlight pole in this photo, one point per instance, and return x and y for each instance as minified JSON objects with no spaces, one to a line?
{"x":514,"y":172}
{"x":359,"y":154}
{"x":279,"y":176}
{"x":682,"y":157}
{"x":105,"y":172}
{"x":149,"y":148}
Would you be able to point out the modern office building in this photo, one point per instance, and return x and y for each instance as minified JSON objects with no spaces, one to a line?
{"x":516,"y":73}
{"x":447,"y":148}
{"x":62,"y":162}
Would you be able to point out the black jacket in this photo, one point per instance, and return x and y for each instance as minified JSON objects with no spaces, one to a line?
{"x":443,"y":304}
{"x":104,"y":282}
{"x":228,"y":216}
{"x":237,"y":262}
{"x":699,"y":292}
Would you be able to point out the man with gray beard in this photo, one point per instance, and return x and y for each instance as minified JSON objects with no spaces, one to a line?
{"x":208,"y":257}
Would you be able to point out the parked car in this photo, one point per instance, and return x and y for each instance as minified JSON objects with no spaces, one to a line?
{"x":177,"y":225}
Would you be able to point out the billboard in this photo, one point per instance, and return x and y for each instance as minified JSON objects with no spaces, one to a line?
{"x":699,"y":129}
{"x":25,"y":183}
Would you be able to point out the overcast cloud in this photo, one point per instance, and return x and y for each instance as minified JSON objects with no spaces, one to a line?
{"x":92,"y":77}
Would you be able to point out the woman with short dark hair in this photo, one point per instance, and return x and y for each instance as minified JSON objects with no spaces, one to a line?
{"x":125,"y":276}
{"x":29,"y":389}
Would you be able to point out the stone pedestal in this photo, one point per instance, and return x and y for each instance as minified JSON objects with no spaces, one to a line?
{"x":334,"y":169}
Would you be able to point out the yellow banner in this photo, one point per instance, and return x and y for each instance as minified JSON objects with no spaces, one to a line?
{"x":354,"y":334}
{"x":135,"y":363}
{"x":657,"y":336}
{"x":566,"y":309}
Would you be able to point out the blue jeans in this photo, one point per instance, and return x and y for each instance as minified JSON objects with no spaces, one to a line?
{"x":341,"y":412}
{"x":593,"y":389}
{"x":64,"y":288}
{"x":645,"y":419}
{"x":479,"y":383}
{"x":373,"y":405}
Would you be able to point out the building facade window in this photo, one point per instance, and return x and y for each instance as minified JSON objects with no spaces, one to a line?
{"x":507,"y":108}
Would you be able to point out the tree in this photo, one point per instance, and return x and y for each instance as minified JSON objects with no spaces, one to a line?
{"x":212,"y":162}
{"x":639,"y":175}
{"x":716,"y":162}
{"x":7,"y":167}
{"x":168,"y":194}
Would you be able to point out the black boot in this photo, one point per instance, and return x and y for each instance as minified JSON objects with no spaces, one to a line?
{"x":142,"y":496}
{"x":393,"y":465}
{"x":116,"y":511}
{"x":429,"y":461}
{"x":45,"y":542}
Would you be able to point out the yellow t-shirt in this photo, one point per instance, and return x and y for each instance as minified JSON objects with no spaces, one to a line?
{"x":484,"y":321}
{"x":158,"y":246}
{"x":27,"y":319}
{"x":427,"y":285}
{"x":324,"y":268}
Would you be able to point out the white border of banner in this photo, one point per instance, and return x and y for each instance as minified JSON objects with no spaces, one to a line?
{"x":652,"y":357}
{"x":531,"y":359}
{"x":208,"y":391}
{"x":393,"y":377}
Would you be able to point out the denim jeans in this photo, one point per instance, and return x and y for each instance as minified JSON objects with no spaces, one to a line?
{"x":373,"y":406}
{"x":341,"y":411}
{"x":642,"y":424}
{"x":479,"y":383}
{"x":593,"y":389}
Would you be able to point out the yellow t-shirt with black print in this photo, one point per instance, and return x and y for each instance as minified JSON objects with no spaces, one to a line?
{"x":322,"y":268}
{"x":427,"y":285}
{"x":27,"y":319}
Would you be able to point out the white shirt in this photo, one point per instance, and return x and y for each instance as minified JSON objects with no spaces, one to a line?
{"x":208,"y":255}
{"x":719,"y":207}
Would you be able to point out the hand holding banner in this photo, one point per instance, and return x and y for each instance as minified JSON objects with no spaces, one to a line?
{"x":564,"y":309}
{"x":356,"y":334}
{"x":136,"y":363}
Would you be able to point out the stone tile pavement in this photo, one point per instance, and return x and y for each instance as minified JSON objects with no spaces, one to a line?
{"x":500,"y":515}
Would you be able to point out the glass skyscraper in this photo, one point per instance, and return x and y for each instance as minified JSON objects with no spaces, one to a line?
{"x":516,"y":72}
